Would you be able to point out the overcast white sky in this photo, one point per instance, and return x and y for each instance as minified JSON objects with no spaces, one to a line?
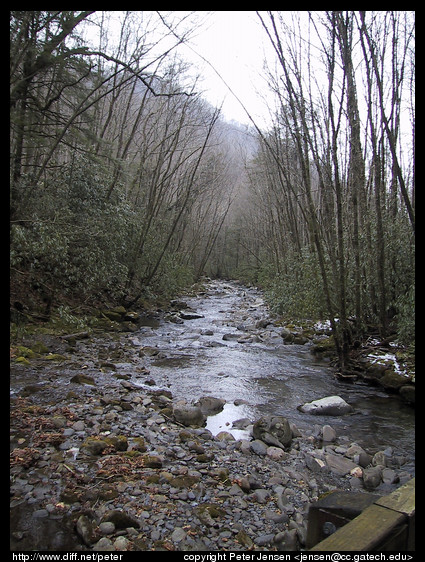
{"x":234,"y":43}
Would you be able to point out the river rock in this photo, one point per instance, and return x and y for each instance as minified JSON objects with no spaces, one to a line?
{"x":83,"y":379}
{"x":104,"y":544}
{"x":258,"y":447}
{"x":121,"y":543}
{"x":148,"y":351}
{"x":210,"y":405}
{"x":328,"y":433}
{"x":242,"y":423}
{"x":94,"y":446}
{"x":115,"y":314}
{"x":263,"y":323}
{"x":408,"y":393}
{"x":315,"y":464}
{"x":392,"y":380}
{"x":389,"y":476}
{"x":230,"y":337}
{"x":264,"y":540}
{"x":261,"y":495}
{"x":131,"y":316}
{"x":273,"y":430}
{"x":276,"y":453}
{"x":372,"y":477}
{"x":379,"y":458}
{"x":190,"y":315}
{"x":177,"y":304}
{"x":339,"y":465}
{"x":353,"y":450}
{"x":287,"y":540}
{"x":287,"y":335}
{"x":107,"y":528}
{"x":299,"y":339}
{"x":189,"y":415}
{"x":358,"y":455}
{"x":87,"y":530}
{"x":224,"y":436}
{"x":328,"y":406}
{"x":120,"y":519}
{"x":178,"y":534}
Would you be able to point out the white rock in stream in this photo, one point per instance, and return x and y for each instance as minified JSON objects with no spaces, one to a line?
{"x":328,"y":406}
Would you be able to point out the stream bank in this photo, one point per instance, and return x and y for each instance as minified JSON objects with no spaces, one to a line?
{"x":101,"y":461}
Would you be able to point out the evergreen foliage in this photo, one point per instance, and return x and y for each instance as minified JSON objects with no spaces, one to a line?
{"x":125,"y":182}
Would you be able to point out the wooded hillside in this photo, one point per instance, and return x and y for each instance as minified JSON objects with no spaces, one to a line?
{"x":125,"y":182}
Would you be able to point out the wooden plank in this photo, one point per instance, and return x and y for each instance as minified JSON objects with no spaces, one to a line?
{"x":388,"y":523}
{"x":339,"y":508}
{"x":401,"y":500}
{"x":365,"y":532}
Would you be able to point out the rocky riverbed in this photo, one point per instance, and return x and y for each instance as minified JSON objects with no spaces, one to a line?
{"x":106,"y":457}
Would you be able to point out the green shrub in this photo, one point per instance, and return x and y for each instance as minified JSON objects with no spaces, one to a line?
{"x":406,"y":316}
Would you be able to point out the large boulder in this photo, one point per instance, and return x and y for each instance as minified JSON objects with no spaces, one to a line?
{"x":189,"y":415}
{"x":328,"y":406}
{"x":408,"y":393}
{"x":273,"y":430}
{"x":210,"y":405}
{"x":87,"y":530}
{"x":392,"y":380}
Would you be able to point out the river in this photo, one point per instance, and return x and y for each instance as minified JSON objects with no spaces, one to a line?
{"x":262,"y":374}
{"x":228,"y":350}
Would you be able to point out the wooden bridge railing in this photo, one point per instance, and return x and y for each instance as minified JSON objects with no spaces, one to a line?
{"x":386,"y":524}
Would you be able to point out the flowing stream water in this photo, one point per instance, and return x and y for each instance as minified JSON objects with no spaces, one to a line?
{"x":262,"y":374}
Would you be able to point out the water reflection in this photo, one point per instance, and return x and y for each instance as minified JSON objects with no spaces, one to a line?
{"x":223,"y":421}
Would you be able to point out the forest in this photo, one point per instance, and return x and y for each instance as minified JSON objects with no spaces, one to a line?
{"x":125,"y":183}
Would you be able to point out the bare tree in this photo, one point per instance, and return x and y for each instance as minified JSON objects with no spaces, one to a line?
{"x":324,"y":172}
